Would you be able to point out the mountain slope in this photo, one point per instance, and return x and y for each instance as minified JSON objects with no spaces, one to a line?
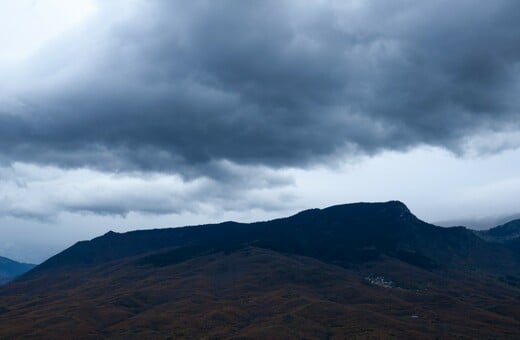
{"x":10,"y":269}
{"x":258,"y":293}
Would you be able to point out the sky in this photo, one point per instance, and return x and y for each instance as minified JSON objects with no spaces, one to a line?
{"x":130,"y":114}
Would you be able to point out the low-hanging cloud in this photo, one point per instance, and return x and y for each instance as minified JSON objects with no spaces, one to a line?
{"x":43,"y":193}
{"x":175,"y":86}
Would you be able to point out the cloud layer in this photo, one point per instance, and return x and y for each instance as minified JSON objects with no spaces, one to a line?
{"x":177,"y":86}
{"x":42,"y":193}
{"x":163,"y":107}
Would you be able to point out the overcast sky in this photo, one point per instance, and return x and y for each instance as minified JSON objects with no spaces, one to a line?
{"x":125,"y":114}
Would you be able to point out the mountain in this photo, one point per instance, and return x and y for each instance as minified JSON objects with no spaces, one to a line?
{"x":503,"y":233}
{"x":344,"y":235}
{"x":366,"y":270}
{"x":10,"y":269}
{"x":507,"y":234}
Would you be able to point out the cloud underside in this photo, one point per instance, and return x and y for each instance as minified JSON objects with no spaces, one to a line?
{"x":181,"y":88}
{"x":176,"y":86}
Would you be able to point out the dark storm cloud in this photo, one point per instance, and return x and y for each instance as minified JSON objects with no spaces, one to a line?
{"x":181,"y":85}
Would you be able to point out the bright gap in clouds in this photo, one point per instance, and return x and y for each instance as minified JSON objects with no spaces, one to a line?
{"x":26,"y":25}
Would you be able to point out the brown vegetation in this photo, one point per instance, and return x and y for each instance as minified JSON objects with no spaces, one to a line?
{"x":258,"y":293}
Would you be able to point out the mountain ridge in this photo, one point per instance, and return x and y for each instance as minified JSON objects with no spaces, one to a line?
{"x":345,"y":234}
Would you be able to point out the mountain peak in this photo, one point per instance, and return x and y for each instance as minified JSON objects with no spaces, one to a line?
{"x":390,"y":209}
{"x":394,"y":205}
{"x":399,"y":207}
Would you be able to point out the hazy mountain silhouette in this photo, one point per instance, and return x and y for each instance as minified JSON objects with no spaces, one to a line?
{"x":503,"y":233}
{"x":363,"y":269}
{"x":10,"y":269}
{"x":507,"y":234}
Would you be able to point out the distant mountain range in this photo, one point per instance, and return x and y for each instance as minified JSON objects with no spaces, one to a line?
{"x":10,"y":269}
{"x":504,"y":233}
{"x":507,"y":234}
{"x":355,"y":270}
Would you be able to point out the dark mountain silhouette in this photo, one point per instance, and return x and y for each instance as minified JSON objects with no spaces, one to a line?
{"x":343,"y":234}
{"x":10,"y":269}
{"x":355,"y":270}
